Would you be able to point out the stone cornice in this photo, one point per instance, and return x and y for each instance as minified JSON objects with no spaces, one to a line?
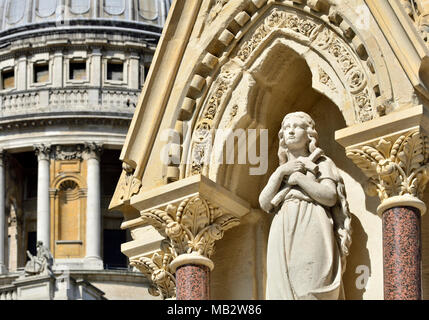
{"x":51,"y":119}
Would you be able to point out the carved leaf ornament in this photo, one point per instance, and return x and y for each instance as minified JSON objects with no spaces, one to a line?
{"x":192,"y":227}
{"x":397,"y":168}
{"x":157,"y":270}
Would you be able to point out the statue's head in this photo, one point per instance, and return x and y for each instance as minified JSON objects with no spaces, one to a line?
{"x":39,"y":243}
{"x":297,"y":131}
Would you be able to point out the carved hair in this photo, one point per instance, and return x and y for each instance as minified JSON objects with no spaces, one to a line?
{"x":311,"y":132}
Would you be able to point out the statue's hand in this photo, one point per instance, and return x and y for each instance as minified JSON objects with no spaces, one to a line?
{"x":309,"y":165}
{"x":292,"y":166}
{"x":295,"y":178}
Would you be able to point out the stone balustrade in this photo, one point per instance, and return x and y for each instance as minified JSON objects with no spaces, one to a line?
{"x":65,"y":100}
{"x":8,"y":293}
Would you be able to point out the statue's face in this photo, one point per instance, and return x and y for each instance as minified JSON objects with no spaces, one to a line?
{"x":295,"y":134}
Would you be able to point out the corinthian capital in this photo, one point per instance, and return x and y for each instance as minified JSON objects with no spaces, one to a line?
{"x":190,"y":215}
{"x":192,"y":227}
{"x":42,"y":151}
{"x":157,"y":270}
{"x":395,"y":166}
{"x":92,"y":150}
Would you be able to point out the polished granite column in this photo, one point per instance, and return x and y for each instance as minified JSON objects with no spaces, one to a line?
{"x":402,"y":253}
{"x":193,"y":282}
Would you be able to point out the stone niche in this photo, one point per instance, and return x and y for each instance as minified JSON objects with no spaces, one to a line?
{"x":68,"y":205}
{"x":278,"y":82}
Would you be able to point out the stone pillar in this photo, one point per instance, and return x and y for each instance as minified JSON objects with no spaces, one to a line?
{"x":93,"y":259}
{"x":134,"y":63}
{"x":43,"y":181}
{"x":3,"y":268}
{"x":57,"y":74}
{"x":21,"y":73}
{"x":397,"y":167}
{"x":95,"y":77}
{"x":192,"y":222}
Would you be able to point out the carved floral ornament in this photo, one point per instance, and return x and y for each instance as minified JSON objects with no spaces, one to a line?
{"x":130,"y":185}
{"x":395,"y":168}
{"x":192,"y":227}
{"x":325,"y":41}
{"x":157,"y":270}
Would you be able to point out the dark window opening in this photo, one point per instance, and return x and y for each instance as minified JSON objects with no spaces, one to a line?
{"x":31,"y":185}
{"x":115,"y":71}
{"x":112,"y":256}
{"x":77,"y":70}
{"x":31,"y":243}
{"x":146,"y":68}
{"x":41,"y":73}
{"x":8,"y":79}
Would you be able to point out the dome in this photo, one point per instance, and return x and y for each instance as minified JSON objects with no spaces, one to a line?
{"x":22,"y":17}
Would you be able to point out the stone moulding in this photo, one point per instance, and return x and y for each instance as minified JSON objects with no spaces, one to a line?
{"x":191,"y":214}
{"x":404,"y":38}
{"x":397,"y":161}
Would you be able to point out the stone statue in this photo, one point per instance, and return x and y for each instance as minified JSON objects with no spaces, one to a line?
{"x":310,"y":234}
{"x":41,"y":263}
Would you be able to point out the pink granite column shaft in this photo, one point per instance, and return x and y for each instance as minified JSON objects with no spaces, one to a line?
{"x":402,"y":253}
{"x":192,"y":282}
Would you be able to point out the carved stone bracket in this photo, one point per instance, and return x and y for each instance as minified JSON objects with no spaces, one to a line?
{"x":191,"y":214}
{"x":129,"y":185}
{"x":396,"y":164}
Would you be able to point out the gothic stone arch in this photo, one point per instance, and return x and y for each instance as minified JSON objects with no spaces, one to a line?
{"x":339,"y":71}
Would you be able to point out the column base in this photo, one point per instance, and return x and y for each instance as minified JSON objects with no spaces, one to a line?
{"x":93,"y":263}
{"x":191,"y":258}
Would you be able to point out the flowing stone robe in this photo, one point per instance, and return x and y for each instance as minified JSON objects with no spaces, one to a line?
{"x":303,"y":256}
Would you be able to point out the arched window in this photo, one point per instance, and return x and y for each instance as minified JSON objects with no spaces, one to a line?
{"x":46,"y":8}
{"x":79,"y":6}
{"x":148,"y":9}
{"x":15,"y":12}
{"x":114,"y":7}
